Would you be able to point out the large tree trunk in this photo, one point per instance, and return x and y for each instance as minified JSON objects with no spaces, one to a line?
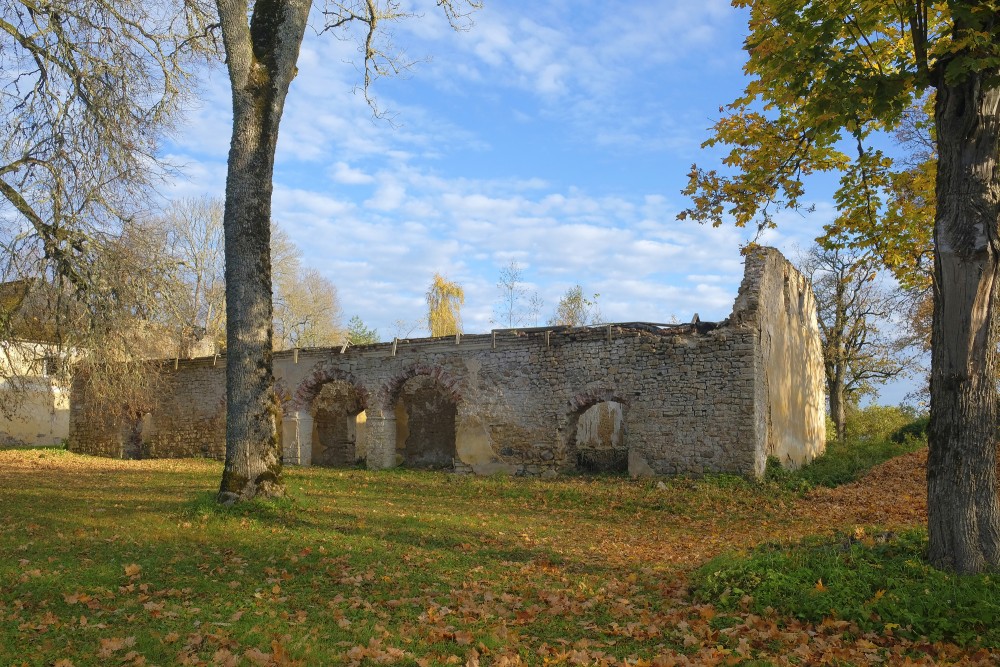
{"x":261,"y":58}
{"x":838,"y":404}
{"x":963,"y":512}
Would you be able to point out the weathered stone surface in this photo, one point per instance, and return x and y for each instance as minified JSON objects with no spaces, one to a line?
{"x":688,"y":399}
{"x":638,"y":468}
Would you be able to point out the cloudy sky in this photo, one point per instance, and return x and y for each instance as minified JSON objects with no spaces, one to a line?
{"x":557,"y":134}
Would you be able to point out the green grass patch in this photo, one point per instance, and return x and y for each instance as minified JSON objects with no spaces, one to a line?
{"x":879,"y":581}
{"x":875,"y":434}
{"x":107,"y":562}
{"x":101,"y":559}
{"x":842,"y":463}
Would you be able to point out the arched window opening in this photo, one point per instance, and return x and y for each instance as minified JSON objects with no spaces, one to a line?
{"x":600,"y":439}
{"x":338,"y":418}
{"x":425,"y":424}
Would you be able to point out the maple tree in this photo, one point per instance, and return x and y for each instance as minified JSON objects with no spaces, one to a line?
{"x":262,"y":41}
{"x":827,"y":80}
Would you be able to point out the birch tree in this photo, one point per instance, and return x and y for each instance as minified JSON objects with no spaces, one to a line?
{"x":516,"y":307}
{"x":576,"y":310}
{"x":262,"y":41}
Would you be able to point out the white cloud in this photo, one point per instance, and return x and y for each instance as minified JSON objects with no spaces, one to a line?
{"x":379,"y":207}
{"x":341,"y":172}
{"x":389,"y":195}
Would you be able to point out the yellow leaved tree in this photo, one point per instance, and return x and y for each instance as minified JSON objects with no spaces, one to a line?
{"x":444,"y":306}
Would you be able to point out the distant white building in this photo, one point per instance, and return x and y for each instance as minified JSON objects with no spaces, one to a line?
{"x":35,"y":394}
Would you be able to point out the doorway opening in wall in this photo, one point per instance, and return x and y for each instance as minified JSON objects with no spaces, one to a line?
{"x":600,"y":439}
{"x":425,"y":425}
{"x":338,"y":426}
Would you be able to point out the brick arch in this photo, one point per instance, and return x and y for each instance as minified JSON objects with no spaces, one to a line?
{"x":579,"y":403}
{"x":389,"y":393}
{"x":321,"y":374}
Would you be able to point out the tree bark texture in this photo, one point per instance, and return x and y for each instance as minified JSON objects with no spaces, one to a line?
{"x":261,"y":58}
{"x":838,"y":405}
{"x":963,"y":511}
{"x":834,"y":351}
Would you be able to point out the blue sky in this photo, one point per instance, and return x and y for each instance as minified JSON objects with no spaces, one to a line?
{"x":556,"y":134}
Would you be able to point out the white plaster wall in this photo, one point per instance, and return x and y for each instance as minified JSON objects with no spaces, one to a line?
{"x":42,"y":416}
{"x":600,"y":427}
{"x":792,"y":410}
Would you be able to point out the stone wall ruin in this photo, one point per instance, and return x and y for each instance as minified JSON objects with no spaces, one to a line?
{"x":647,"y":399}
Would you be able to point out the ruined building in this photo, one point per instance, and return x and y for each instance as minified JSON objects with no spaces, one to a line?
{"x":647,"y":399}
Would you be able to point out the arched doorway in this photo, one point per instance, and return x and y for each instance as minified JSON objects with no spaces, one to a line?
{"x":425,"y":424}
{"x":599,"y":443}
{"x":338,"y":425}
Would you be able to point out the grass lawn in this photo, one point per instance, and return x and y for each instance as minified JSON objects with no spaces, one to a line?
{"x":107,"y":562}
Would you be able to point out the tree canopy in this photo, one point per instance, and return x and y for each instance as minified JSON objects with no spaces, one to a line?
{"x":88,"y":88}
{"x":828,"y":80}
{"x":576,"y":310}
{"x":444,"y":306}
{"x":861,"y":348}
{"x":831,"y":82}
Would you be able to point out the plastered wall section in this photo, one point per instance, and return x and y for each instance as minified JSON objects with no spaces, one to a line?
{"x":41,"y":417}
{"x":790,"y":411}
{"x":36,"y":406}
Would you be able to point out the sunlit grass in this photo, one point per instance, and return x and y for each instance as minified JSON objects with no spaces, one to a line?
{"x":133,"y":562}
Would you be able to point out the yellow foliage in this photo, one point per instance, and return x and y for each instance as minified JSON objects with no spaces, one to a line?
{"x":444,"y":306}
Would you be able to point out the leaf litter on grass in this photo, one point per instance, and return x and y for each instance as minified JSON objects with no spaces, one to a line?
{"x":128,"y":562}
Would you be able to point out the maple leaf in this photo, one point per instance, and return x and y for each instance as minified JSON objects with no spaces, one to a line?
{"x":225,"y":658}
{"x":257,"y":657}
{"x":135,"y":658}
{"x":132,"y":570}
{"x":820,"y":586}
{"x":110,"y":645}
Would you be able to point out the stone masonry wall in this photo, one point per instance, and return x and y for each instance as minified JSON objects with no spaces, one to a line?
{"x":694,"y":398}
{"x":188,"y":421}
